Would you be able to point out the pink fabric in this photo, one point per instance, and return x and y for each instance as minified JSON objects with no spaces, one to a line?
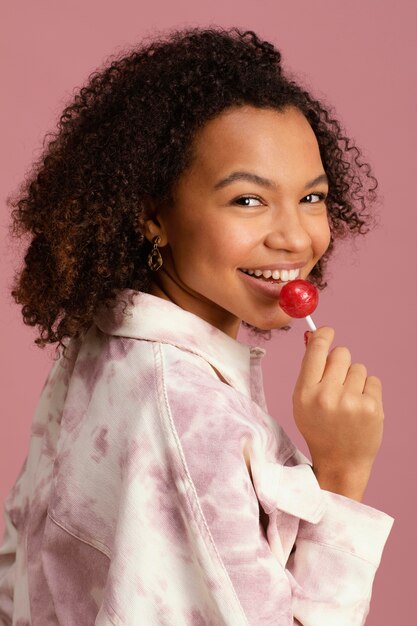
{"x":151,"y":456}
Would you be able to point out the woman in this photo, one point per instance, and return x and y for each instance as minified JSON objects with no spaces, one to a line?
{"x":187,"y":181}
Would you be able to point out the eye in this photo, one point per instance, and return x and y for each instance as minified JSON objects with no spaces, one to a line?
{"x":247,"y":198}
{"x":320,"y":196}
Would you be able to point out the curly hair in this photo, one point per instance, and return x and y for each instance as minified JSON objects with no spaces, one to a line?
{"x":126,"y":137}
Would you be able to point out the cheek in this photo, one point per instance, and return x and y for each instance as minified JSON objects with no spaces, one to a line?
{"x":219,"y":246}
{"x":320,"y":237}
{"x":200,"y":250}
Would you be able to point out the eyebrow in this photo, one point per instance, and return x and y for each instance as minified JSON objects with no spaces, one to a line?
{"x":263,"y":182}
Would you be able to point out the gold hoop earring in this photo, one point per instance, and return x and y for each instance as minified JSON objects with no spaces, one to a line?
{"x":154,"y":257}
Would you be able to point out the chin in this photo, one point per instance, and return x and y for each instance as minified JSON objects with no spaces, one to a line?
{"x":262,"y":325}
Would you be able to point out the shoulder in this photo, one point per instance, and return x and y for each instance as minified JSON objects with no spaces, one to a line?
{"x":212,"y":417}
{"x":193,"y":385}
{"x":186,"y":371}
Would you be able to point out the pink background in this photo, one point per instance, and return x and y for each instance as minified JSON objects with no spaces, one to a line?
{"x":361,"y":57}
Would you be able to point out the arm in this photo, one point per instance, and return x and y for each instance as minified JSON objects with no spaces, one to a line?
{"x":8,"y":549}
{"x":13,"y":593}
{"x":7,"y":570}
{"x":338,"y":542}
{"x":328,"y":579}
{"x":339,"y":411}
{"x":334,"y":563}
{"x":329,"y":543}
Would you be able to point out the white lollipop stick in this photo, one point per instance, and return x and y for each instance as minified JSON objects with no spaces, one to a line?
{"x":310,"y":323}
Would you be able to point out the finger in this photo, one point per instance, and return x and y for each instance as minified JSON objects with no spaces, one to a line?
{"x":315,"y":356}
{"x":356,"y":378}
{"x":337,"y":366}
{"x":373,"y":387}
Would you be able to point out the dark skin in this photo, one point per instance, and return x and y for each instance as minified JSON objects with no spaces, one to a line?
{"x":210,"y":233}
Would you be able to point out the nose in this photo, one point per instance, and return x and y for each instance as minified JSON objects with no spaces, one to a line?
{"x":288,"y":231}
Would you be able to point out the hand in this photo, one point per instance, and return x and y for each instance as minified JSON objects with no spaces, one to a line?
{"x":338,"y":410}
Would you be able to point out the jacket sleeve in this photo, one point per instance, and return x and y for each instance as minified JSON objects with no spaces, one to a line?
{"x":345,"y":547}
{"x":316,"y":564}
{"x":338,"y":542}
{"x":8,"y":548}
{"x":312,"y":561}
{"x":13,"y":595}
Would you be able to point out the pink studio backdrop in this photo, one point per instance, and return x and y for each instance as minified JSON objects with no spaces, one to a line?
{"x":357,"y":55}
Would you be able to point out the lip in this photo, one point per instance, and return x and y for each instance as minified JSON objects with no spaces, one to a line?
{"x":262,"y":286}
{"x":281,"y":266}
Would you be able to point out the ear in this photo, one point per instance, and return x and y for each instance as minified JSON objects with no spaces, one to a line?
{"x":153,"y":223}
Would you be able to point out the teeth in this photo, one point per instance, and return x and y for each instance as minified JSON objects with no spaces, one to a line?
{"x":284,"y":275}
{"x":293,"y":274}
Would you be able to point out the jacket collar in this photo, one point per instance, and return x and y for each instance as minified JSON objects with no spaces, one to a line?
{"x":141,"y":315}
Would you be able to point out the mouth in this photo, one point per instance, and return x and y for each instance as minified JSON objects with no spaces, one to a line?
{"x":276,"y":276}
{"x":270,"y":287}
{"x":266,"y":280}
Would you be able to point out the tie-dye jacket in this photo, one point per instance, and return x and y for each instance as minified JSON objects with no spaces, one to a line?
{"x":158,"y":491}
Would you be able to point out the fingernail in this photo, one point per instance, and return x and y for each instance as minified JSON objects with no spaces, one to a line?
{"x":306,"y":336}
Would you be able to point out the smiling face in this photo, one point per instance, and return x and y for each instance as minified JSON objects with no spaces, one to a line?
{"x":216,"y":228}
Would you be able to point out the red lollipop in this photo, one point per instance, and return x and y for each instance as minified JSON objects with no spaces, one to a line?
{"x":299,"y":298}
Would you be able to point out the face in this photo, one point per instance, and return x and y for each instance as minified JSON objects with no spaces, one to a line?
{"x":215,"y":229}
